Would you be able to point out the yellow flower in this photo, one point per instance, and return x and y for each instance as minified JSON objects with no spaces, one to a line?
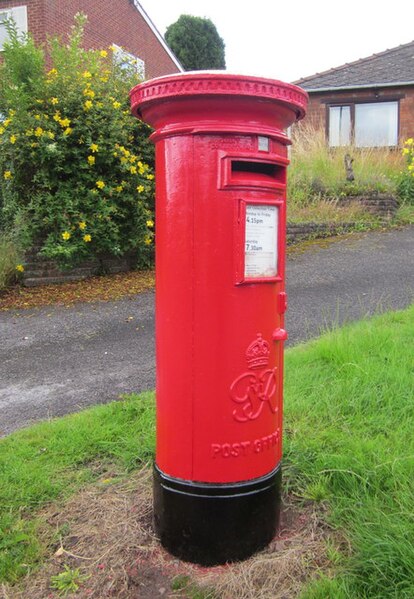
{"x":88,"y":105}
{"x":20,"y":268}
{"x":91,"y":160}
{"x":140,"y":188}
{"x":1,"y":130}
{"x":113,"y":48}
{"x":37,"y":117}
{"x":116,"y":104}
{"x":7,"y":175}
{"x":51,"y":135}
{"x":52,"y":72}
{"x":103,"y":53}
{"x":119,"y":188}
{"x":56,"y":116}
{"x":54,"y":101}
{"x":68,"y":131}
{"x":94,"y":147}
{"x":82,"y":225}
{"x":6,"y":122}
{"x":133,"y":170}
{"x":148,"y":240}
{"x":86,"y":74}
{"x":100,"y":184}
{"x":409,"y":142}
{"x":12,"y":113}
{"x":65,"y":235}
{"x":104,"y":79}
{"x":150,"y":223}
{"x":64,"y":123}
{"x":13,"y":139}
{"x":89,"y":93}
{"x":87,"y":238}
{"x":150,"y":177}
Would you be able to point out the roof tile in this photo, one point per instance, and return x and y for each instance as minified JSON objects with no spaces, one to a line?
{"x":391,"y":66}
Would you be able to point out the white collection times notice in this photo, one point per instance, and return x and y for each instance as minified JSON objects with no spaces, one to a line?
{"x":260,"y":257}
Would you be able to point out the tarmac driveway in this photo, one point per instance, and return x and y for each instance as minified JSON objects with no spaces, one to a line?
{"x":56,"y":360}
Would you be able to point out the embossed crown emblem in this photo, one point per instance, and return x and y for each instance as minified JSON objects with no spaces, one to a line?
{"x":257,"y":354}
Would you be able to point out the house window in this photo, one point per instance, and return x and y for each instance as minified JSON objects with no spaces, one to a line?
{"x":128,"y":61}
{"x":339,"y":125}
{"x":368,"y":124}
{"x":19,"y":15}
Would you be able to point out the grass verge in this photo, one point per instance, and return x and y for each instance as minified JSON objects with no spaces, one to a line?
{"x":52,"y":460}
{"x":349,"y":444}
{"x":349,"y":452}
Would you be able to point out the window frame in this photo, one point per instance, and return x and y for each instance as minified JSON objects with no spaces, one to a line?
{"x":19,"y":15}
{"x":352,"y":102}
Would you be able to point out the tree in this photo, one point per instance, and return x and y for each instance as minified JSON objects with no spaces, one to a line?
{"x":196,"y":43}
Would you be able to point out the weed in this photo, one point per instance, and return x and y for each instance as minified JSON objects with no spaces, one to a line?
{"x":184,"y":583}
{"x":67,"y":581}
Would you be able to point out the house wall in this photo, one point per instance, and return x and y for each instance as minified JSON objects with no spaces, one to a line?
{"x":115,"y":22}
{"x":317,"y":115}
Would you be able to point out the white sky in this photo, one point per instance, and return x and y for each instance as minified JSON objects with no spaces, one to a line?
{"x":290,"y":39}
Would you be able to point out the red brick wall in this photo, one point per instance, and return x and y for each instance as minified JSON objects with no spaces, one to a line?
{"x":407,"y":114}
{"x":316,"y":114}
{"x":109,"y":22}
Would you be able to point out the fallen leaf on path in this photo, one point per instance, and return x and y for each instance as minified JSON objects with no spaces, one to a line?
{"x":104,"y":288}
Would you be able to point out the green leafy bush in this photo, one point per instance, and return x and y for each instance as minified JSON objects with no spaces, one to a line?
{"x":76,"y":168}
{"x":9,"y":258}
{"x":406,"y":181}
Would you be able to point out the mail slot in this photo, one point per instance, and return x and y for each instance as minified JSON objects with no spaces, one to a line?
{"x":221,"y":163}
{"x":246,"y":170}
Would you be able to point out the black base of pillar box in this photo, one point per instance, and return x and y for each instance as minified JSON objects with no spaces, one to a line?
{"x":211,"y":524}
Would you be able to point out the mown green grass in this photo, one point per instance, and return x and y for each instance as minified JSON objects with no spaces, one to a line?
{"x":52,"y":460}
{"x":349,"y":413}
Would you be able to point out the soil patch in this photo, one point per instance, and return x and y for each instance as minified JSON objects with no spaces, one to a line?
{"x":106,"y":532}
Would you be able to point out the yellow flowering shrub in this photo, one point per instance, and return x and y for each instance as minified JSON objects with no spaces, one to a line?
{"x":76,"y":169}
{"x":406,"y":182}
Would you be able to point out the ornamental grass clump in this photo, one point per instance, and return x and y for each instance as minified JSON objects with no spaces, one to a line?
{"x":317,"y":171}
{"x":76,"y":169}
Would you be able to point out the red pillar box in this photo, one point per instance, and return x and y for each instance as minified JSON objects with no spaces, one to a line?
{"x":221,"y":161}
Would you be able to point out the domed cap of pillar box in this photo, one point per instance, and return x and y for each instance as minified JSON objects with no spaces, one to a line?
{"x":209,"y":101}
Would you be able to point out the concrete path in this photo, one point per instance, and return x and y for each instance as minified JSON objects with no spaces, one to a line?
{"x":57,"y":360}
